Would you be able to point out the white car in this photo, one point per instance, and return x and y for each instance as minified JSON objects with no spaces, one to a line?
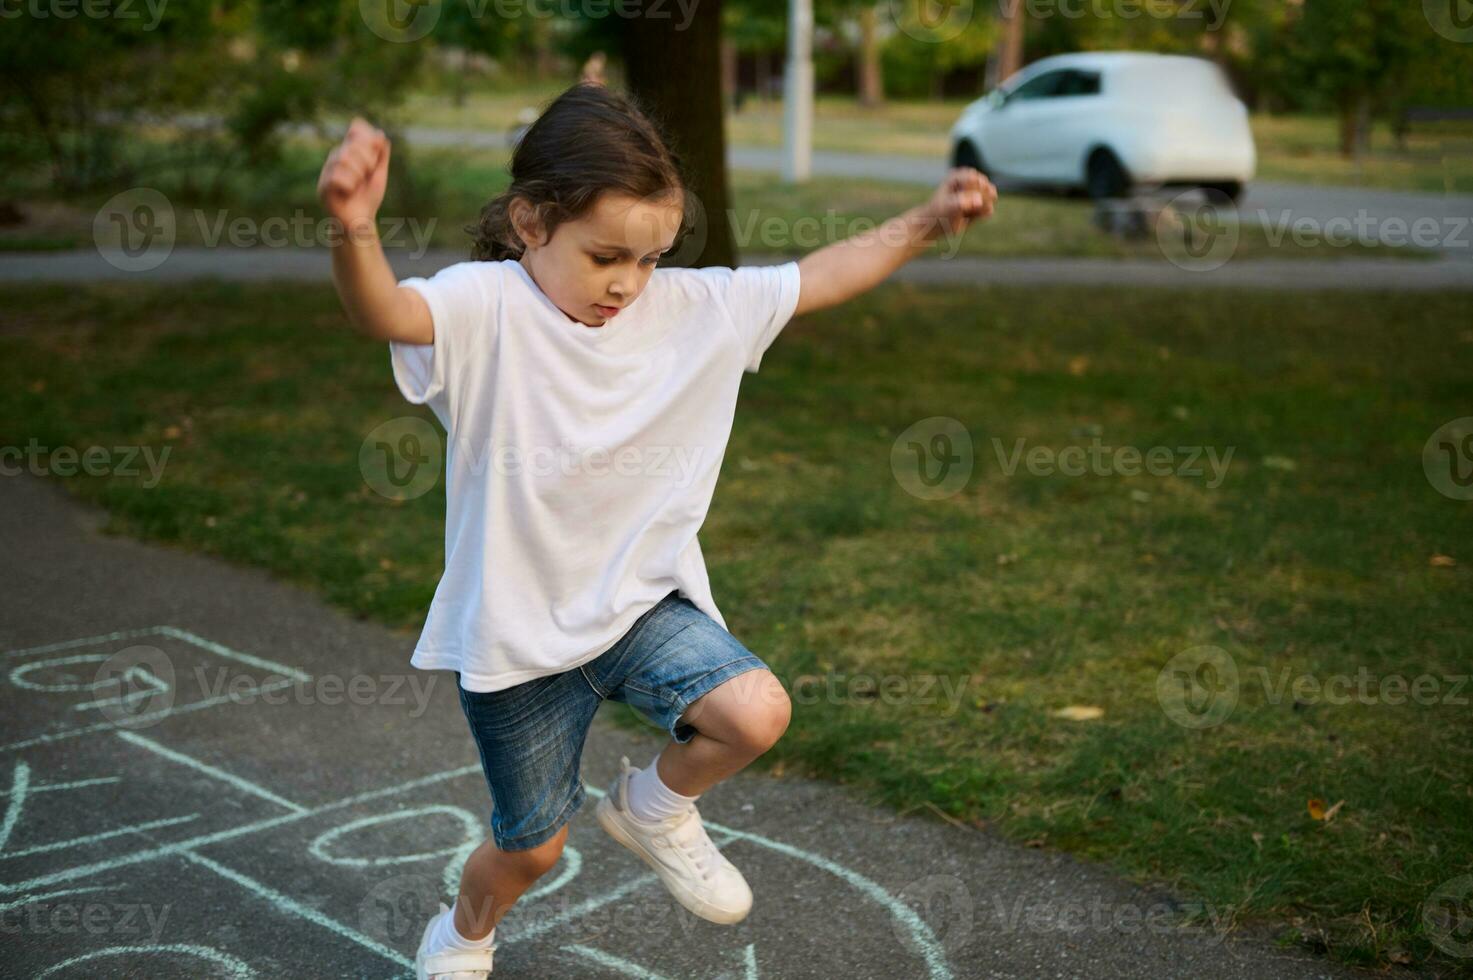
{"x":1108,"y":122}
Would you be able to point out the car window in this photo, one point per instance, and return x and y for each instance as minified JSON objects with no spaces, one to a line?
{"x":1041,"y":87}
{"x":1078,"y":82}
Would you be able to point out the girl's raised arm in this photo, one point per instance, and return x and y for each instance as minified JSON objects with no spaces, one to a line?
{"x":351,"y":188}
{"x":838,"y":272}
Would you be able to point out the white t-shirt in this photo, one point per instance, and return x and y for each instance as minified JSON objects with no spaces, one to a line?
{"x":581,"y":460}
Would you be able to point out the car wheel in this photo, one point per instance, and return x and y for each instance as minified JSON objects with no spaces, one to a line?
{"x":1230,"y":189}
{"x":1104,"y":176}
{"x":965,"y":154}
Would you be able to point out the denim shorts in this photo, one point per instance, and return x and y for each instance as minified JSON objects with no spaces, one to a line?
{"x":530,"y":736}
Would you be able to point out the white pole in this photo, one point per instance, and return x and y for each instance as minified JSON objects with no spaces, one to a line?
{"x":798,"y":94}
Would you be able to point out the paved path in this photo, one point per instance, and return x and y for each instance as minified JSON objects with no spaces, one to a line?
{"x":273,"y":792}
{"x":1438,"y":221}
{"x":315,"y":265}
{"x":1441,"y":222}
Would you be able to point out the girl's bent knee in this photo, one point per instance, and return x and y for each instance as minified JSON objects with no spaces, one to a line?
{"x":534,"y":862}
{"x":763,"y":726}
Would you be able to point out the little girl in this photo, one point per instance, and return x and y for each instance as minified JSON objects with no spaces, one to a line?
{"x":587,"y":397}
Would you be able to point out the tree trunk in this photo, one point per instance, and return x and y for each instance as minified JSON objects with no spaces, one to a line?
{"x":1400,"y":125}
{"x":1010,"y":47}
{"x":871,"y":78}
{"x":546,"y":57}
{"x":728,"y":74}
{"x":676,"y":75}
{"x":1362,"y":125}
{"x":1355,"y":125}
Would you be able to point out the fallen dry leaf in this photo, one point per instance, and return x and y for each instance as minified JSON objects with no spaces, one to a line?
{"x":1080,"y":712}
{"x":1443,"y":561}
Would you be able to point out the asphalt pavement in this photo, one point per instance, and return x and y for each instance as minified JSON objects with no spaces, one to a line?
{"x":208,"y":773}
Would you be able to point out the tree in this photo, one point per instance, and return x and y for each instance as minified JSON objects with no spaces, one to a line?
{"x":1014,"y":17}
{"x":73,"y":85}
{"x":869,"y":77}
{"x":79,"y":87}
{"x":460,"y":29}
{"x":674,"y":69}
{"x":1356,"y":53}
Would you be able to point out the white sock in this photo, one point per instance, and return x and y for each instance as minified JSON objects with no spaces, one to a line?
{"x":446,"y":936}
{"x":650,"y":799}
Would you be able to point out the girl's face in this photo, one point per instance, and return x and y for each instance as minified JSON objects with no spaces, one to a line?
{"x":597,"y":265}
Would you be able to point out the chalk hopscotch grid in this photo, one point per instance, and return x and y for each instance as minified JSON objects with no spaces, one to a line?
{"x":289,"y":676}
{"x":921,"y":935}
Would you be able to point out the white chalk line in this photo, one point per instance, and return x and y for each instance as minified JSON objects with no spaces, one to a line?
{"x":19,"y":790}
{"x":62,"y":845}
{"x":921,"y":934}
{"x":282,"y":902}
{"x":74,"y":784}
{"x":149,"y":719}
{"x":925,"y":940}
{"x":234,"y":968}
{"x":168,"y":850}
{"x":285,"y":903}
{"x":288,"y":675}
{"x":246,"y":658}
{"x":240,"y":783}
{"x":43,"y":896}
{"x":82,"y":642}
{"x":611,"y":962}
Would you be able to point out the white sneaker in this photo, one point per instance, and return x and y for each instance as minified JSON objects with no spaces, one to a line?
{"x":678,"y":850}
{"x":450,"y":964}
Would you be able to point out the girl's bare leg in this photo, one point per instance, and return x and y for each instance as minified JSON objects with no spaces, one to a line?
{"x":493,"y":880}
{"x":735,"y":722}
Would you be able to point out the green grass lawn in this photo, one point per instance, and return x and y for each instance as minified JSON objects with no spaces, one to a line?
{"x":1311,"y":555}
{"x":766,"y":215}
{"x":1437,"y":157}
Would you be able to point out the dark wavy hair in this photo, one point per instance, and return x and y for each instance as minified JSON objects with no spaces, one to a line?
{"x":587,"y":141}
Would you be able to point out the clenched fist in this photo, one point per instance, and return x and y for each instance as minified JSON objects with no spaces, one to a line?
{"x":964,"y":196}
{"x":351,"y":186}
